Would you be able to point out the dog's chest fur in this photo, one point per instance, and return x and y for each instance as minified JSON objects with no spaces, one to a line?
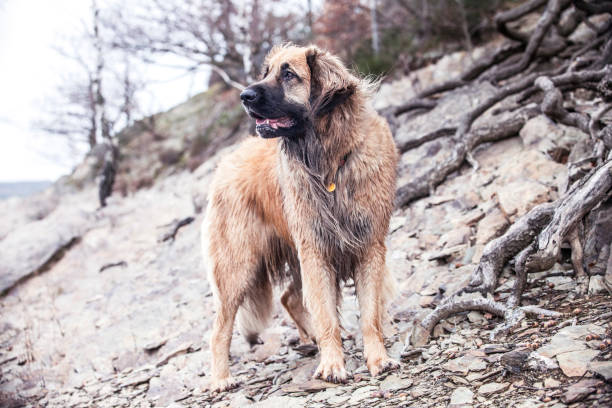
{"x":333,"y":221}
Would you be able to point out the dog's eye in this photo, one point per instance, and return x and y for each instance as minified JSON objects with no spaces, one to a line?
{"x":288,"y":75}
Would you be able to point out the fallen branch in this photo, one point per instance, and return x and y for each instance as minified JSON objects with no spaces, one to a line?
{"x":112,"y":265}
{"x":176,"y":227}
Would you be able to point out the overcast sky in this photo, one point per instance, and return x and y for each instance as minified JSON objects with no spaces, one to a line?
{"x":30,"y":69}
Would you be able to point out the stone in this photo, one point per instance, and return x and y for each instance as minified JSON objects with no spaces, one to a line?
{"x":539,"y":132}
{"x":461,"y":396}
{"x":465,"y":364}
{"x":492,"y":388}
{"x":551,"y":383}
{"x":569,"y":339}
{"x":541,"y":363}
{"x":562,"y":282}
{"x":491,"y":226}
{"x":394,"y":383}
{"x":596,"y":285}
{"x":476,"y":317}
{"x":580,"y":390}
{"x":280,"y":402}
{"x":361,"y":393}
{"x":396,"y":223}
{"x":446,"y":252}
{"x":602,"y":368}
{"x":30,"y":247}
{"x":457,"y":236}
{"x":518,"y":197}
{"x":575,"y":363}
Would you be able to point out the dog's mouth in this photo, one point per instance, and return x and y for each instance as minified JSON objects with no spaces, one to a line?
{"x":275,"y":123}
{"x":271,"y":127}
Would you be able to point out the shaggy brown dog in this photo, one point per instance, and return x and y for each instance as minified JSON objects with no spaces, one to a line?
{"x":308,"y":204}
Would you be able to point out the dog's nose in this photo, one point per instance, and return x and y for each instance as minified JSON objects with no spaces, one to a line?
{"x":249,"y":95}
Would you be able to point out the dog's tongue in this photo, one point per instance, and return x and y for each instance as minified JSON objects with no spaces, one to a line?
{"x":275,"y":123}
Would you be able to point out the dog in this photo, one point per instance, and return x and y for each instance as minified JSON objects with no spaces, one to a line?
{"x":307,"y":205}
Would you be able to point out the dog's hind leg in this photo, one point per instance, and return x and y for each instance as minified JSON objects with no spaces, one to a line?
{"x":220,"y":343}
{"x":233,"y":273}
{"x":294,"y":304}
{"x":374,"y":284}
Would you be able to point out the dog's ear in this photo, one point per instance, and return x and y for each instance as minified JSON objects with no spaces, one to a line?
{"x":331,"y":84}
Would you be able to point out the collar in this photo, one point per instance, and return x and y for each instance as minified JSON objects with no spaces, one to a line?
{"x":331,"y":187}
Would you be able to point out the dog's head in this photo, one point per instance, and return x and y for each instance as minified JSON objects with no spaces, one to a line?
{"x":298,"y":86}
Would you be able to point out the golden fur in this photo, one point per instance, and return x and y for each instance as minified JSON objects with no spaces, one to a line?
{"x":271,"y":219}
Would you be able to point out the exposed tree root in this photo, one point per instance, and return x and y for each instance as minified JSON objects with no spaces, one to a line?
{"x":550,"y":16}
{"x":536,"y":251}
{"x":500,"y":250}
{"x":473,"y":73}
{"x":534,"y":240}
{"x":463,"y":145}
{"x":502,"y":19}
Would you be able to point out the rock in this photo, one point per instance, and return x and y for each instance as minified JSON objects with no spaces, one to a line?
{"x":175,"y":352}
{"x":492,"y":388}
{"x":551,"y":383}
{"x":518,"y":197}
{"x":308,"y":386}
{"x":279,"y":402}
{"x":569,"y":339}
{"x":575,"y":363}
{"x":465,"y":364}
{"x":394,"y":383}
{"x":541,"y":363}
{"x":396,"y":223}
{"x":602,"y":368}
{"x":539,"y":132}
{"x":491,"y":226}
{"x":596,"y":285}
{"x":580,"y":390}
{"x":446,"y":252}
{"x":461,"y":396}
{"x":26,"y":250}
{"x":361,"y":393}
{"x":514,"y":361}
{"x":562,"y":282}
{"x":456,"y":237}
{"x":476,"y":317}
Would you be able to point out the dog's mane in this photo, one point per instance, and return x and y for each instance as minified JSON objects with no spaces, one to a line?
{"x":328,"y":138}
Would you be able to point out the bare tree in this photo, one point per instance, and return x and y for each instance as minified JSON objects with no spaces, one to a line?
{"x":374,"y":28}
{"x":95,"y":100}
{"x":231,"y":37}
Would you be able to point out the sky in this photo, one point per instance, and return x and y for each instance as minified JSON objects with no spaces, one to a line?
{"x":30,"y":71}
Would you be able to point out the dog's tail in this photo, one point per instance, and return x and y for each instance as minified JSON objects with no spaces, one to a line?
{"x":255,"y":312}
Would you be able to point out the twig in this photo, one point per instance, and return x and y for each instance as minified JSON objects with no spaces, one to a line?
{"x":178,"y":225}
{"x":112,"y":265}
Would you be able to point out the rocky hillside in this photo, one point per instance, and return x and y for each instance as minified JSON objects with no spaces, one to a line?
{"x":110,"y":307}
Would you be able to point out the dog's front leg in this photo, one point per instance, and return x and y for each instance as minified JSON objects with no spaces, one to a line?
{"x":369,"y":282}
{"x":319,"y":291}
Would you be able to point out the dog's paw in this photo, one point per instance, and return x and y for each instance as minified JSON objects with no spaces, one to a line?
{"x":382,"y":365}
{"x":224,"y":384}
{"x":332,"y":372}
